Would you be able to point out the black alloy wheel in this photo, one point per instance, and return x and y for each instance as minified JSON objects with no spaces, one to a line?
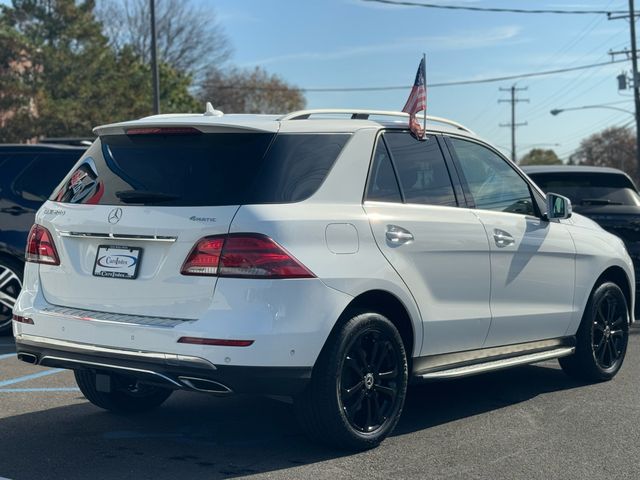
{"x":610,"y":331}
{"x":10,"y":286}
{"x":127,"y":395}
{"x":601,"y":339}
{"x":358,"y":385}
{"x":369,"y":380}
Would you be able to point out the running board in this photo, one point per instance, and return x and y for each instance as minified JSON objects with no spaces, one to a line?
{"x":498,"y":364}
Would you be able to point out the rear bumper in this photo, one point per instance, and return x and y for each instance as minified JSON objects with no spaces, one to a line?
{"x":167,"y":370}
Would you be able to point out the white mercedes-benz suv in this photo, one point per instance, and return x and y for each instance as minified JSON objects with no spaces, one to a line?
{"x":327,"y":256}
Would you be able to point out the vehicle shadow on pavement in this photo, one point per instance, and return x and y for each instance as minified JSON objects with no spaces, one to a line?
{"x":196,"y":435}
{"x":436,"y":403}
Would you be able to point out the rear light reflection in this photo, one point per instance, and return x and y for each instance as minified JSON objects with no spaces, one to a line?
{"x":163,"y":131}
{"x":40,"y":247}
{"x":242,"y":255}
{"x":19,"y":319}
{"x":215,"y":341}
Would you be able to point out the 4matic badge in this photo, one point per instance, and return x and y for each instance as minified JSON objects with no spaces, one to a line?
{"x":202,"y":219}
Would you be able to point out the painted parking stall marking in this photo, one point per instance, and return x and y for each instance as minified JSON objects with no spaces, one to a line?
{"x":33,"y":376}
{"x":30,"y":390}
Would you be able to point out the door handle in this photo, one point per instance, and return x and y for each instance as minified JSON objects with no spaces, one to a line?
{"x":398,"y":235}
{"x":502,"y":238}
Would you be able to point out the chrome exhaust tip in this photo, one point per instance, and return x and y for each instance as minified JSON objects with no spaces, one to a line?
{"x":28,"y":357}
{"x":204,"y":385}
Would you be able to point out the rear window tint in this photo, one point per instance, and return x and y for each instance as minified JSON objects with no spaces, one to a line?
{"x":202,"y":169}
{"x":37,"y":178}
{"x":586,"y":188}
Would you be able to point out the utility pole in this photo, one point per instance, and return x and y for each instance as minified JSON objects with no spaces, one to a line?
{"x":513,"y":100}
{"x":154,"y":60}
{"x":634,"y":75}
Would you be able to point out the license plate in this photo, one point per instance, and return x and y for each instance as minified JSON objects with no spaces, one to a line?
{"x":115,"y":261}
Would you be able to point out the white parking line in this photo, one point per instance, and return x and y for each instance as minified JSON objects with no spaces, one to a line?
{"x":29,"y":390}
{"x":30,"y":377}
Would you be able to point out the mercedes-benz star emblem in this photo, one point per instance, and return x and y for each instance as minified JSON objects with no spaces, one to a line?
{"x":115,"y":215}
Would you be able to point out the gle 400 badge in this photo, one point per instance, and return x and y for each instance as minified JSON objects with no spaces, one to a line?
{"x":116,"y":261}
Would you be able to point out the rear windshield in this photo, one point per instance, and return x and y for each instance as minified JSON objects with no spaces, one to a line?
{"x":589,"y":188}
{"x":202,"y":169}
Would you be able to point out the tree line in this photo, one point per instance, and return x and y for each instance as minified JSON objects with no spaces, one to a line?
{"x":69,"y":65}
{"x":612,"y":147}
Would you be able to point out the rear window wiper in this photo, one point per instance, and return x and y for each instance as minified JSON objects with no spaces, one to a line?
{"x":143,"y":196}
{"x":598,"y":201}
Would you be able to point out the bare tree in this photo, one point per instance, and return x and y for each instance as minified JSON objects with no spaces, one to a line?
{"x":612,"y":147}
{"x":190,"y":39}
{"x":250,"y":91}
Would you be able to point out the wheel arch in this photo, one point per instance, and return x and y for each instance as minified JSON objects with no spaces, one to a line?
{"x":618,"y":276}
{"x":387,"y":304}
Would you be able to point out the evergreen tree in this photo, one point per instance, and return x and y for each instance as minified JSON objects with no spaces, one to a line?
{"x":59,"y":77}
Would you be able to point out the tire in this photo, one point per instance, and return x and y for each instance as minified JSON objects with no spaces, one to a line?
{"x":11,"y":275}
{"x":601,"y":341}
{"x":358,"y":385}
{"x":126,"y":396}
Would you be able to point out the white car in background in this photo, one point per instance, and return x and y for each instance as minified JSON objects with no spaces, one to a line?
{"x":328,"y":256}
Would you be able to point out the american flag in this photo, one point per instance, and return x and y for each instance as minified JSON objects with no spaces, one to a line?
{"x":417,"y":100}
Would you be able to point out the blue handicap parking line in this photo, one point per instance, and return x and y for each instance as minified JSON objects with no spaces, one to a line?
{"x":30,"y":377}
{"x":8,"y":355}
{"x":29,"y":390}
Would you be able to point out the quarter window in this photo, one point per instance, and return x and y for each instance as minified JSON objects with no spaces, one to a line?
{"x":383,"y":186}
{"x":421,"y":168}
{"x":493,"y":183}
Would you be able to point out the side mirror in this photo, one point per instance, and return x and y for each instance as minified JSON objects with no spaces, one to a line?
{"x":558,"y":206}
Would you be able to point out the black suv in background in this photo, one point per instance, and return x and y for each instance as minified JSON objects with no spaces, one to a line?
{"x":606,"y":195}
{"x":28,"y":175}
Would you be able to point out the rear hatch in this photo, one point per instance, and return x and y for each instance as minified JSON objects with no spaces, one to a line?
{"x":126,"y":217}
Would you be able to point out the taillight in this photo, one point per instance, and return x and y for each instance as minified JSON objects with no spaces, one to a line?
{"x":204,"y":257}
{"x":40,"y":247}
{"x":245,"y":255}
{"x":20,"y":319}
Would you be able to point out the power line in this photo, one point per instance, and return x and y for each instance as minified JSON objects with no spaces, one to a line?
{"x":495,"y":9}
{"x":430,"y":85}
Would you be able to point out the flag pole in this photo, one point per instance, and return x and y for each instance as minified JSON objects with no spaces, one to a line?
{"x":424,"y":73}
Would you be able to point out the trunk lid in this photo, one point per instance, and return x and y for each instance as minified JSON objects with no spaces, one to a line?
{"x":162,"y":236}
{"x":126,"y":217}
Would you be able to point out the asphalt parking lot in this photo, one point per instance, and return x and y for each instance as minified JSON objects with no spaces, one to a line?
{"x":526,"y":423}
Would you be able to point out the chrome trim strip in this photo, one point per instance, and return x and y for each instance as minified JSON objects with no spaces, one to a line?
{"x":117,"y":318}
{"x":456,"y":359}
{"x":119,"y":236}
{"x":110,"y":367}
{"x":76,"y":347}
{"x":499,"y":364}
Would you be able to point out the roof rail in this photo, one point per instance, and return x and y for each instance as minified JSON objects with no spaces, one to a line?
{"x":365,"y":114}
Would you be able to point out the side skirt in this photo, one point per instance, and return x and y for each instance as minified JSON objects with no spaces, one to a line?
{"x":472,"y":362}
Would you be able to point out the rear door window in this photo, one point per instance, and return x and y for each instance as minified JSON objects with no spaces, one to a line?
{"x":203,"y":169}
{"x":422,"y":170}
